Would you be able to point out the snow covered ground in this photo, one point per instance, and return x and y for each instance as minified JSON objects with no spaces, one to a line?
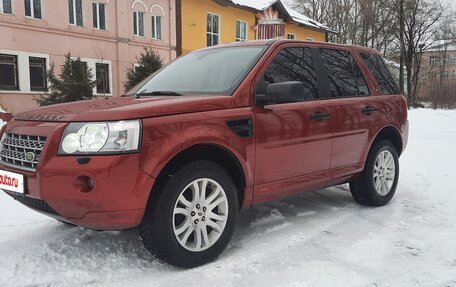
{"x":320,"y":238}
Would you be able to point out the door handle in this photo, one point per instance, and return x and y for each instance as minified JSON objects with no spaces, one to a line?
{"x":319,"y":116}
{"x":368,"y":110}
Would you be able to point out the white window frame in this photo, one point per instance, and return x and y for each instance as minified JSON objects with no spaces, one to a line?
{"x":15,"y":66}
{"x":98,"y":16}
{"x":109,"y":78}
{"x":23,"y":71}
{"x":75,"y":17}
{"x":246,"y":33}
{"x":1,"y":8}
{"x":212,"y":33}
{"x":137,"y":34}
{"x":32,"y":11}
{"x":291,"y":35}
{"x":155,"y":33}
{"x":46,"y":88}
{"x":136,"y":65}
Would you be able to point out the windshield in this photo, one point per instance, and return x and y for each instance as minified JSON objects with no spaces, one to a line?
{"x":215,"y":71}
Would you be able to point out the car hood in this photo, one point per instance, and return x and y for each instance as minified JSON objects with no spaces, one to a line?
{"x":122,"y":108}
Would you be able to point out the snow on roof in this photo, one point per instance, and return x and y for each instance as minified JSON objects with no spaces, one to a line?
{"x":255,"y":4}
{"x":261,"y":5}
{"x":442,"y":45}
{"x":300,"y":18}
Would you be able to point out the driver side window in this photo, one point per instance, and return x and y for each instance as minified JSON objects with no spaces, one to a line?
{"x":292,"y":65}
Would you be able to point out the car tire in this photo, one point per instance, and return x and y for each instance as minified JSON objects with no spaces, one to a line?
{"x":377,"y":184}
{"x":185,"y":228}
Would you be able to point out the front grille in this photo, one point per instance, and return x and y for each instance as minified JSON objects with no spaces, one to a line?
{"x":15,"y":150}
{"x":37,"y":204}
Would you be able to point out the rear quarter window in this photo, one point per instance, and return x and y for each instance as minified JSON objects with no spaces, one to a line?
{"x":381,"y":73}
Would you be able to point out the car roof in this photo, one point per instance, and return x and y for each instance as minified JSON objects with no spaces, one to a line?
{"x":280,"y":41}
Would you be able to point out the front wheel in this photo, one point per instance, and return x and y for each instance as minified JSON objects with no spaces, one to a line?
{"x":377,"y":183}
{"x":191,"y":215}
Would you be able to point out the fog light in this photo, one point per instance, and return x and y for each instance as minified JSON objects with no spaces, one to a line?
{"x":84,"y":184}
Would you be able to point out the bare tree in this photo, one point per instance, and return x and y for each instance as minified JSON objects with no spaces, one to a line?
{"x":445,"y":35}
{"x":400,"y":29}
{"x":420,"y":18}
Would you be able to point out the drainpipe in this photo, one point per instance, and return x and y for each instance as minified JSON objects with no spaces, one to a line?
{"x":178,"y":27}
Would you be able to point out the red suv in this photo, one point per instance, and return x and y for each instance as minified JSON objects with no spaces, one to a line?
{"x":214,"y":131}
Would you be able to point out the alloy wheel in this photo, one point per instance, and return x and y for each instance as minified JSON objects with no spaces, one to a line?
{"x":200,"y":214}
{"x":384,"y":173}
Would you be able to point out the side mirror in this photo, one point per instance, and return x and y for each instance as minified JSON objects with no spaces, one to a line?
{"x":284,"y":92}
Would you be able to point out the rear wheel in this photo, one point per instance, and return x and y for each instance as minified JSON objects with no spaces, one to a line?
{"x":191,"y":216}
{"x":377,"y":183}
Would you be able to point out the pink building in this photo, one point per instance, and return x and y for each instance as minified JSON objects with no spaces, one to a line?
{"x":108,"y":35}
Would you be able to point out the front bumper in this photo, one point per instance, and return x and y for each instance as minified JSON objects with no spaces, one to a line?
{"x":120,"y":189}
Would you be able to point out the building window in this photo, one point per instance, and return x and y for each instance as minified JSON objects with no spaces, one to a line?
{"x":434,"y":60}
{"x":138,"y":23}
{"x":433,"y":75}
{"x":157,"y":27}
{"x":5,"y":7}
{"x":99,"y":16}
{"x":446,"y":74}
{"x":241,"y":31}
{"x":291,"y":36}
{"x":75,"y":12}
{"x":33,"y":8}
{"x":37,"y":68}
{"x":213,"y":29}
{"x":8,"y":72}
{"x":102,"y":73}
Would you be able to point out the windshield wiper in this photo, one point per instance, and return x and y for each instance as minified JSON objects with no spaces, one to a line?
{"x":158,"y":93}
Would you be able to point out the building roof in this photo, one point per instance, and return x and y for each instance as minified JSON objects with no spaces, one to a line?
{"x":295,"y":16}
{"x":442,"y":45}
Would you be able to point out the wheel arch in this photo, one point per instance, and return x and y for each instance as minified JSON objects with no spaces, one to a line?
{"x":212,"y":152}
{"x":391,"y":134}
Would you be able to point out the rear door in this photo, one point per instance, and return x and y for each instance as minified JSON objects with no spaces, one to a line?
{"x":355,"y":111}
{"x":293,"y":139}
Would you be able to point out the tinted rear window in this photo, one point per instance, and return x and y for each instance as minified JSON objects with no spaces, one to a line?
{"x":339,"y":68}
{"x":381,"y":73}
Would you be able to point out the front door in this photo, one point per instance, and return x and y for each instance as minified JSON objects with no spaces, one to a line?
{"x":293,"y":138}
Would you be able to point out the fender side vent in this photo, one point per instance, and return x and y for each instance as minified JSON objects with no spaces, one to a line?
{"x":242,"y":127}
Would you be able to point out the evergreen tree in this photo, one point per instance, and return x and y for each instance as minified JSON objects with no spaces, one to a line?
{"x":75,"y":83}
{"x":149,"y":62}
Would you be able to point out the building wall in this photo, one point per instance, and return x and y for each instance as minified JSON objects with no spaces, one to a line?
{"x":194,"y":17}
{"x":302,"y":33}
{"x":438,"y":78}
{"x":52,"y":37}
{"x":194,"y":13}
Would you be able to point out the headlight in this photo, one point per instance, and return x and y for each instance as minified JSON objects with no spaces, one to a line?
{"x":101,"y":138}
